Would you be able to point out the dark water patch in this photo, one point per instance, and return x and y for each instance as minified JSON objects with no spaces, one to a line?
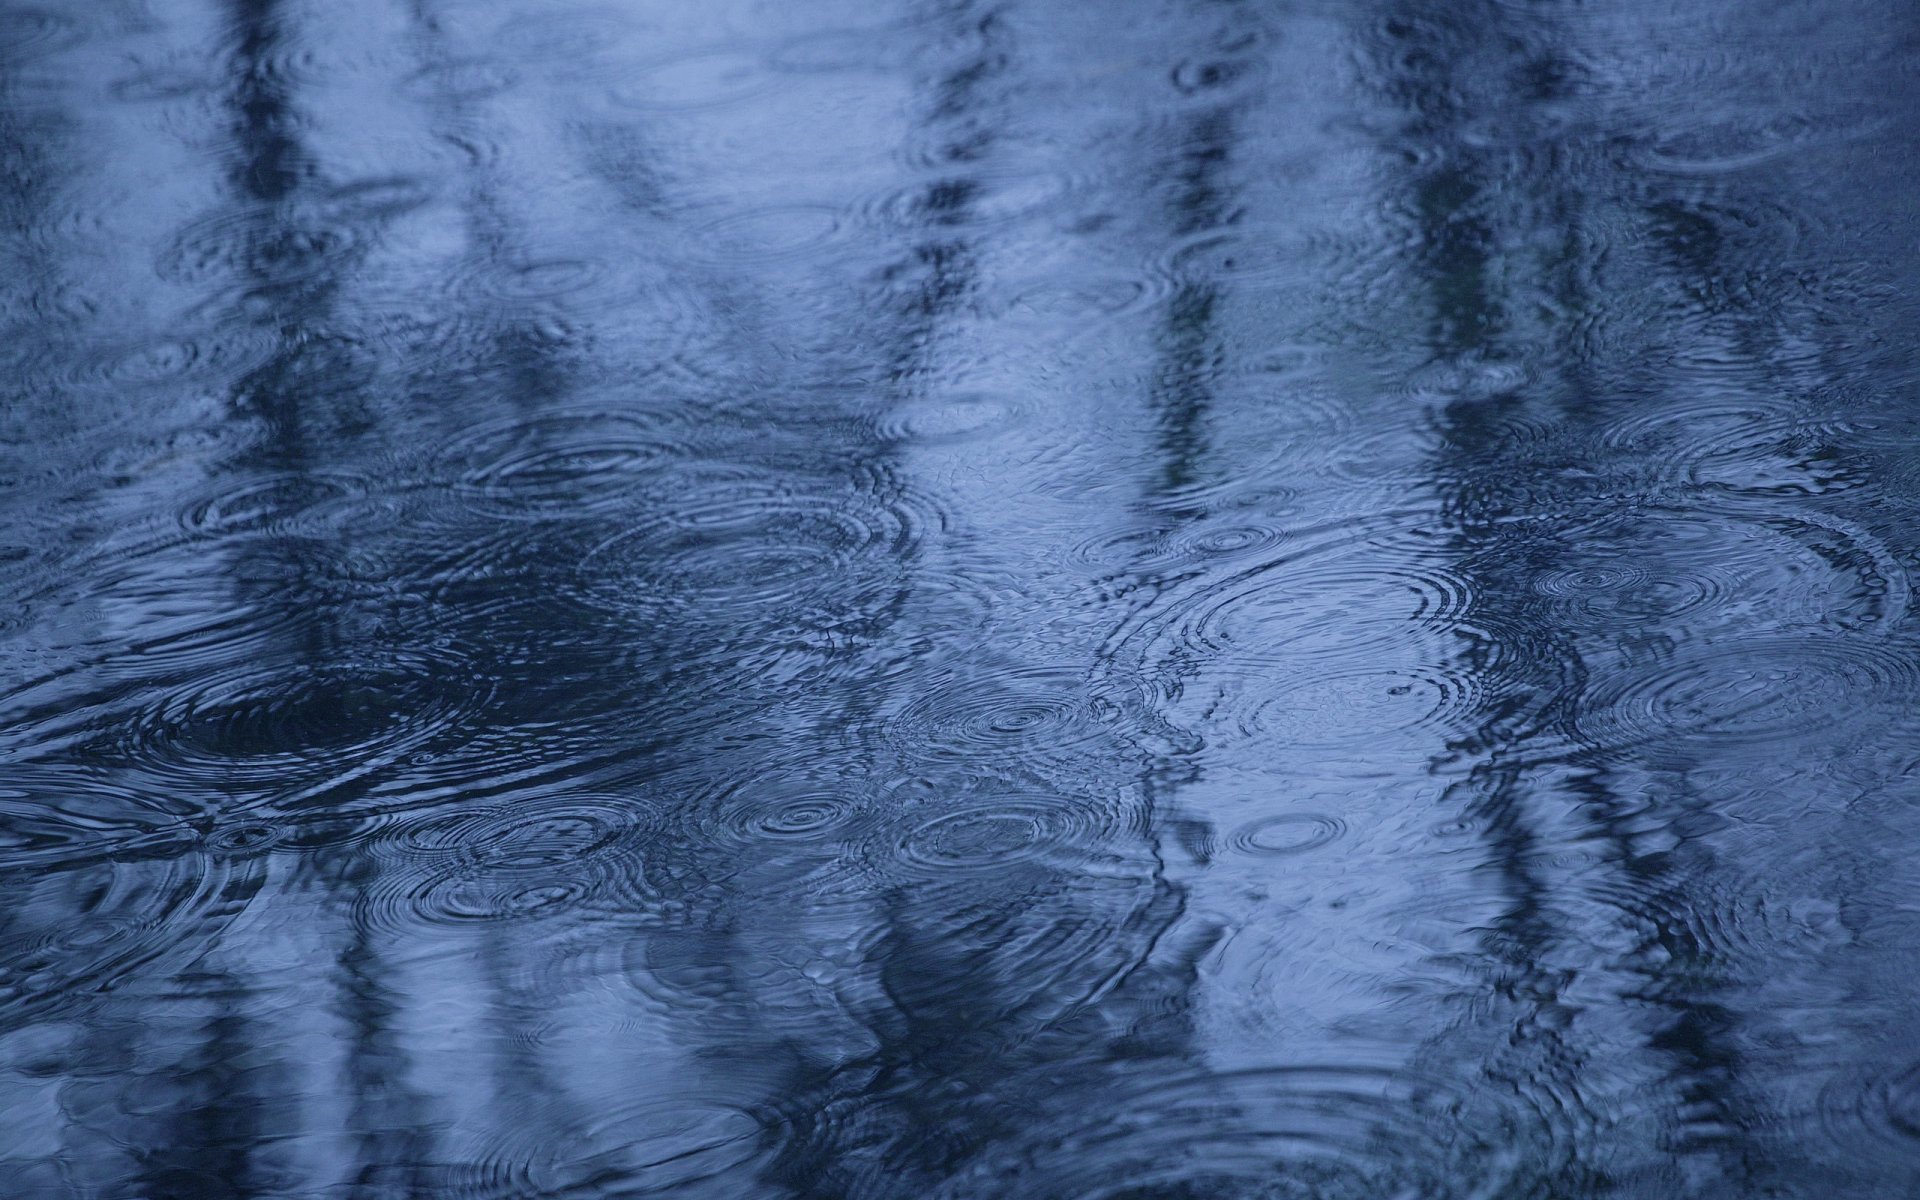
{"x":264,"y":727}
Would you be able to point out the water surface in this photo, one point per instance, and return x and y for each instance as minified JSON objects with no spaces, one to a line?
{"x":943,"y":598}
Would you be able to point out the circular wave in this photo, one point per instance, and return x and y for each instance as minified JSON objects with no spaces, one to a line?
{"x":1738,"y":921}
{"x":741,"y":544}
{"x":1071,"y":303}
{"x":1218,"y":78}
{"x":1366,"y":707}
{"x":266,"y":726}
{"x":1285,"y":834}
{"x":1742,"y":446}
{"x":1653,"y":569}
{"x":262,"y":247}
{"x":579,"y":460}
{"x":989,"y":834}
{"x":199,"y":357}
{"x":1718,"y":140}
{"x":1009,"y":715}
{"x":1242,"y":255}
{"x":950,"y":420}
{"x":694,"y":81}
{"x":566,"y":36}
{"x":1332,"y":1131}
{"x":1188,"y":547}
{"x":655,"y":1147}
{"x":322,"y":503}
{"x":1324,"y":605}
{"x":461,"y":81}
{"x":982,"y":196}
{"x":27,"y":34}
{"x":51,"y":817}
{"x":77,"y":929}
{"x":530,"y":855}
{"x":768,"y":234}
{"x":1759,"y":690}
{"x":1882,"y":1105}
{"x":871,"y":48}
{"x":802,"y":836}
{"x":986,"y":826}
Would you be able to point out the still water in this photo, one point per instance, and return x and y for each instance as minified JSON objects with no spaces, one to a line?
{"x":959,"y":599}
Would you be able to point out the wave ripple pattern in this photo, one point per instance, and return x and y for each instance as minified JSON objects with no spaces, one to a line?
{"x":959,"y":599}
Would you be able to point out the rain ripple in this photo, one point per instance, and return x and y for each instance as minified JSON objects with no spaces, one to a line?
{"x":1007,"y":716}
{"x":269,"y":727}
{"x":1330,"y":710}
{"x":745,"y":543}
{"x":1785,"y":691}
{"x":1290,"y":1131}
{"x":1655,"y":569}
{"x":1330,"y":605}
{"x":81,"y":927}
{"x":522,"y":856}
{"x":1883,"y":1107}
{"x":263,"y":247}
{"x":565,"y":462}
{"x":804,"y":837}
{"x":992,"y":831}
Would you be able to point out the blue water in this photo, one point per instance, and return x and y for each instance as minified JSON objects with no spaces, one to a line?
{"x":950,"y":599}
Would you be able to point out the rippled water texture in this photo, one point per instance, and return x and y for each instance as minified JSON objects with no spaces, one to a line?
{"x":959,"y":599}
